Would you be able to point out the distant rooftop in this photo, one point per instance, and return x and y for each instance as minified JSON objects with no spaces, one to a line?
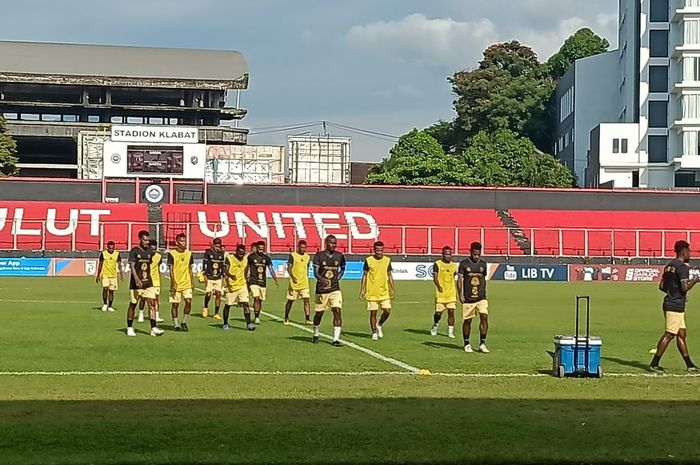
{"x":43,"y":62}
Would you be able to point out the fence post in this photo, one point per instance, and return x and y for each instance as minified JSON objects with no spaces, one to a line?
{"x":14,"y":233}
{"x":482,"y":238}
{"x":43,"y":236}
{"x":532,"y":242}
{"x":403,"y":240}
{"x":349,"y":239}
{"x":456,"y":240}
{"x":131,"y":231}
{"x":663,"y":244}
{"x":72,"y":238}
{"x":561,"y":242}
{"x":585,"y":242}
{"x":508,"y":239}
{"x":430,"y":240}
{"x":612,"y":244}
{"x":636,"y":241}
{"x":102,"y":236}
{"x":189,"y":238}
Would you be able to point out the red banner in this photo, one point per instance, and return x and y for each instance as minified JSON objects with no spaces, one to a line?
{"x":69,"y":226}
{"x":616,"y":273}
{"x":355,"y":227}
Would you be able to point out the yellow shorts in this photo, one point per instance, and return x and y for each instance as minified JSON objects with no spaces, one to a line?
{"x":177,"y":297}
{"x":469,"y":311}
{"x":326,"y":301}
{"x":374,"y":305}
{"x":110,"y":283}
{"x":442,"y":306}
{"x":157,"y":290}
{"x":258,"y":292}
{"x":137,"y":294}
{"x":215,"y":285}
{"x":675,"y":321}
{"x":237,"y":297}
{"x":298,"y":295}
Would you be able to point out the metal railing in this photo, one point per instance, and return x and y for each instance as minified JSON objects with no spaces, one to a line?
{"x":26,"y":235}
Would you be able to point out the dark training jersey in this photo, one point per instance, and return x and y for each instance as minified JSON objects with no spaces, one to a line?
{"x":257,"y":269}
{"x":141,"y":258}
{"x":213,"y":264}
{"x":674,"y":273}
{"x":329,"y":268}
{"x":474,"y":280}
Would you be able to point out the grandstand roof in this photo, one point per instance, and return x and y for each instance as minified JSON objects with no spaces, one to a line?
{"x":22,"y":61}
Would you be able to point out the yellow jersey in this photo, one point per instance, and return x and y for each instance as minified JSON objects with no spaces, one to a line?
{"x":109,"y":263}
{"x":182,"y":265}
{"x":155,"y":269}
{"x":235,"y":267}
{"x":445,"y":273}
{"x":298,"y":266}
{"x":377,"y":278}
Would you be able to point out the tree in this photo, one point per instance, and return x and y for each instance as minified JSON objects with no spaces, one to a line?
{"x":583,"y":43}
{"x":8,"y":152}
{"x":509,"y":90}
{"x":505,"y":159}
{"x":418,"y":159}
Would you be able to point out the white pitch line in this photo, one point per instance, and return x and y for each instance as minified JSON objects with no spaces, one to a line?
{"x":203,"y":372}
{"x":371,"y":353}
{"x":29,"y":301}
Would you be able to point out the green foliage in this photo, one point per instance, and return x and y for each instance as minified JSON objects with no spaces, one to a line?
{"x":509,"y":90}
{"x":582,"y":44}
{"x":8,"y":152}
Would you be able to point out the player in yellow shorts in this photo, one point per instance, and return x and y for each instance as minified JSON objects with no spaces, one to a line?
{"x":444,"y":272}
{"x":298,"y":269}
{"x":259,"y":263}
{"x":236,"y":286}
{"x":157,"y":259}
{"x":180,"y":263}
{"x":471,"y":287}
{"x":377,"y":288}
{"x":329,"y":268}
{"x":213,"y":270}
{"x":141,"y":285}
{"x":108,"y":270}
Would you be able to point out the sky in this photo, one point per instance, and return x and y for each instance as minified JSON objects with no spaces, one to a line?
{"x":378,"y":65}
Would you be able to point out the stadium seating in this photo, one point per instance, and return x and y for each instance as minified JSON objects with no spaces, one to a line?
{"x":619,"y":233}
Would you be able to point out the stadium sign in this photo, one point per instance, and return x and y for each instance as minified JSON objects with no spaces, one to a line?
{"x":531,"y":273}
{"x":616,"y":273}
{"x":155,"y":134}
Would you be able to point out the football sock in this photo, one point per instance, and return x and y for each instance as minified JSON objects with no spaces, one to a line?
{"x":450,"y":330}
{"x":175,"y":323}
{"x":216,"y":311}
{"x":111,"y":302}
{"x":185,"y":318}
{"x":104,"y":300}
{"x":655,"y":361}
{"x":247,"y":317}
{"x":436,"y":318}
{"x":153,"y":324}
{"x":688,"y":362}
{"x":316,"y":332}
{"x":227,"y":311}
{"x":466,"y":341}
{"x":130,"y":323}
{"x":206,"y":301}
{"x":483,"y":338}
{"x":336,"y":333}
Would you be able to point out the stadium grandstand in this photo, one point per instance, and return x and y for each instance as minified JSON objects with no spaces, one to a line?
{"x":56,"y":97}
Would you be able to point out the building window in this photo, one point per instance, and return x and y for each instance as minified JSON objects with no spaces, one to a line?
{"x":690,"y":106}
{"x":691,"y":69}
{"x":691,"y":31}
{"x":685,"y":179}
{"x":566,"y":104}
{"x":691,"y":143}
{"x":566,"y":139}
{"x":658,"y":79}
{"x":658,"y":43}
{"x":658,"y":149}
{"x":616,"y":145}
{"x":635,"y":178}
{"x":623,"y":145}
{"x":658,"y":114}
{"x":659,"y":11}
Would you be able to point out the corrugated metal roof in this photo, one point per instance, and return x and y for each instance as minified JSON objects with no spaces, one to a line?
{"x":49,"y":59}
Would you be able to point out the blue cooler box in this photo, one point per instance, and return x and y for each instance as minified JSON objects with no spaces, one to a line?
{"x":564,"y":363}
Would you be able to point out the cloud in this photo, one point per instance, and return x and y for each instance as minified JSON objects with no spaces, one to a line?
{"x":417,"y":39}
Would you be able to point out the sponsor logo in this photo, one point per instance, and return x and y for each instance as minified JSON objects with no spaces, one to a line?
{"x":510,"y":274}
{"x":642,"y":274}
{"x":154,"y":193}
{"x":194,"y":160}
{"x":116,"y":158}
{"x":90,"y":267}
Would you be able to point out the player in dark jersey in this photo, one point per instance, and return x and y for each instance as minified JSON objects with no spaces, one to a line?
{"x":471,"y":289}
{"x":256,"y":277}
{"x":675,"y":283}
{"x":141,"y":284}
{"x":329,"y":267}
{"x":213,"y":269}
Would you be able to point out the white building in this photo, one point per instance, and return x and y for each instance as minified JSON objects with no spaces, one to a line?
{"x":652,"y":139}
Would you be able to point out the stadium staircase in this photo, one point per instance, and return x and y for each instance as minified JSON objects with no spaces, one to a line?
{"x":515,"y":231}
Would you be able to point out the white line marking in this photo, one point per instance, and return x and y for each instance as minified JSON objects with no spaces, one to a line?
{"x":314,"y":373}
{"x":26,"y":301}
{"x":352,"y":345}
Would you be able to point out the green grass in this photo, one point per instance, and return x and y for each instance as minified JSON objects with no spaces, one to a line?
{"x":293,"y":418}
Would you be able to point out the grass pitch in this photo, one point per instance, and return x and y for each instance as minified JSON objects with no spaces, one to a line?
{"x":75,"y":389}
